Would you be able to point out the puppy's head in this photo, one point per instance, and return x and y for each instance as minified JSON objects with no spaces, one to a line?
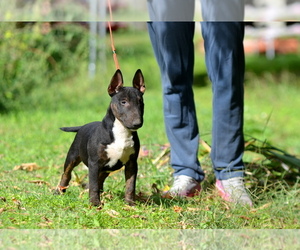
{"x":127,"y":102}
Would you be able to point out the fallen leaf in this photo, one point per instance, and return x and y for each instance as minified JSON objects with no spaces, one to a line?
{"x":205,"y":145}
{"x":226,"y":205}
{"x":2,"y":210}
{"x":27,"y":167}
{"x":244,"y":217}
{"x":83,"y":192}
{"x":48,"y":221}
{"x":129,"y":208}
{"x":18,"y":203}
{"x":40,"y":182}
{"x":3,"y":199}
{"x":112,"y":213}
{"x":117,"y":171}
{"x":194,"y":209}
{"x":164,"y":153}
{"x":177,"y":209}
{"x":265,"y":205}
{"x":79,"y":180}
{"x":107,"y":195}
{"x":262,"y":207}
{"x":100,"y":207}
{"x":138,"y":216}
{"x":163,"y":162}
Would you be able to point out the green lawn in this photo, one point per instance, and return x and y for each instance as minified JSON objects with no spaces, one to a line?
{"x":272,"y":111}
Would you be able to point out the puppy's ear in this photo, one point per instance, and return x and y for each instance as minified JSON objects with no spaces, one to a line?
{"x":116,"y":83}
{"x":138,"y":81}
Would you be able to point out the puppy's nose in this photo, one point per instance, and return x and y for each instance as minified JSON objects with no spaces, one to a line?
{"x":137,"y":123}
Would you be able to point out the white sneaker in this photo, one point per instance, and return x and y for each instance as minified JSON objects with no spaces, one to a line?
{"x":234,"y":190}
{"x":183,"y":186}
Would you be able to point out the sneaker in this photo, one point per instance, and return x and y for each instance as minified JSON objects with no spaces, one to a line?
{"x":233,"y":190}
{"x":183,"y":186}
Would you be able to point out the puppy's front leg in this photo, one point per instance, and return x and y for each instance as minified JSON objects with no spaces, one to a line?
{"x":94,"y":188}
{"x":131,"y":169}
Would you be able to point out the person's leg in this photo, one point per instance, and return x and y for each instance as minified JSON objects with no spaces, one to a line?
{"x":174,"y":50}
{"x":225,"y":63}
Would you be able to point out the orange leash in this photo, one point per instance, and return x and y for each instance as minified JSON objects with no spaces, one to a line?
{"x":111,"y":36}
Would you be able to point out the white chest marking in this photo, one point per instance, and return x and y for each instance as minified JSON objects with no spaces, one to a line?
{"x":122,"y":147}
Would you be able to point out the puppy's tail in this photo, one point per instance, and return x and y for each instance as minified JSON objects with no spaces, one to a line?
{"x":71,"y":129}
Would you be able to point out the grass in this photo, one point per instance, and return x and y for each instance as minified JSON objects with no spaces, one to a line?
{"x":32,"y":136}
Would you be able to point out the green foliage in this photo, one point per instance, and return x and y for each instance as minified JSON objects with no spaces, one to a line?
{"x":35,"y":56}
{"x":41,"y":10}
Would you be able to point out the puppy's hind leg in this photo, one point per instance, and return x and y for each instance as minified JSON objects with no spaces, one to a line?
{"x":72,"y":160}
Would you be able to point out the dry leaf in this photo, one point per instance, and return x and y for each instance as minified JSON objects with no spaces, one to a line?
{"x":226,"y":205}
{"x":99,"y":207}
{"x":117,"y":171}
{"x":2,"y":210}
{"x":138,"y":216}
{"x":177,"y":209}
{"x":27,"y":167}
{"x":112,"y":213}
{"x":195,"y":209}
{"x":83,"y":192}
{"x":40,"y":182}
{"x":260,"y":208}
{"x":18,"y":203}
{"x":79,"y":180}
{"x":244,"y":217}
{"x":163,"y":162}
{"x":46,"y":219}
{"x":129,"y":208}
{"x":107,"y":195}
{"x":205,"y":145}
{"x":165,"y":152}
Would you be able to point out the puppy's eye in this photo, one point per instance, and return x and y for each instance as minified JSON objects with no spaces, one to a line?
{"x":123,"y":102}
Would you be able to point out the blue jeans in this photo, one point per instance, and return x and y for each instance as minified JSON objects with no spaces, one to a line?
{"x":174,"y":50}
